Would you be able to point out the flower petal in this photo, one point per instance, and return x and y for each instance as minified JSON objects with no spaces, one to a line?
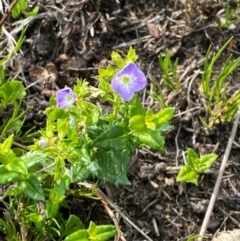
{"x":126,"y":94}
{"x":136,"y":81}
{"x":65,"y":98}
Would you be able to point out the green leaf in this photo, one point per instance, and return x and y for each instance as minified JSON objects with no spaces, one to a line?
{"x":6,"y":158}
{"x":81,"y":171}
{"x":114,"y":164}
{"x":131,"y":55}
{"x":2,"y":75}
{"x":105,"y":76}
{"x":137,"y":123}
{"x":59,"y":167}
{"x":152,"y":139}
{"x":17,"y":165}
{"x":62,"y":185}
{"x":6,"y":145}
{"x":193,"y":237}
{"x":85,"y":167}
{"x":205,"y":162}
{"x":136,"y":107}
{"x":164,"y":128}
{"x":34,"y":12}
{"x":62,"y":127}
{"x":101,"y":232}
{"x":35,"y":217}
{"x":117,"y":60}
{"x":6,"y":176}
{"x":56,"y":113}
{"x":32,"y":158}
{"x":51,"y":209}
{"x":92,"y":230}
{"x":191,"y":157}
{"x":112,"y":137}
{"x":162,"y":117}
{"x":72,"y":225}
{"x":11,"y":91}
{"x":80,"y":235}
{"x":187,"y":174}
{"x":49,"y":129}
{"x":18,"y":8}
{"x":38,"y":221}
{"x":32,"y":188}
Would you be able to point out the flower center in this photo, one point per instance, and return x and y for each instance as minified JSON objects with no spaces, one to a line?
{"x":126,"y":79}
{"x":69,"y":98}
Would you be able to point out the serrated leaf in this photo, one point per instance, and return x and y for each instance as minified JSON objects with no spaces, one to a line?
{"x":6,"y":176}
{"x":106,"y":75}
{"x":17,"y":165}
{"x":152,"y":139}
{"x":81,"y":172}
{"x":105,"y":232}
{"x":32,"y":188}
{"x":32,"y":158}
{"x":205,"y":162}
{"x":187,"y":174}
{"x":163,"y":116}
{"x":131,"y":55}
{"x":114,"y":165}
{"x":80,"y":235}
{"x":7,"y":157}
{"x":112,"y":138}
{"x":101,"y":232}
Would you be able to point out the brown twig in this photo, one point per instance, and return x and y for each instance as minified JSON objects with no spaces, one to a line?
{"x":7,"y":12}
{"x":100,"y":194}
{"x":220,"y":174}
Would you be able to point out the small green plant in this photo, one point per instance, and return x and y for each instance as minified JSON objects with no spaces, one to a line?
{"x":195,"y":166}
{"x":230,"y":16}
{"x":169,"y":70}
{"x":94,"y":232}
{"x":21,"y":9}
{"x":80,"y":142}
{"x":220,"y":106}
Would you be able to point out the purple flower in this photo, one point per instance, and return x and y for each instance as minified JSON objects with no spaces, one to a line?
{"x":65,"y":98}
{"x":43,"y":143}
{"x":129,"y":80}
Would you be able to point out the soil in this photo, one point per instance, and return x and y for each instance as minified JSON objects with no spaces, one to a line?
{"x":71,"y":39}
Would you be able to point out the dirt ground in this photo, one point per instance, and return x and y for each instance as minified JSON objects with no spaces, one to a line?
{"x":71,"y":39}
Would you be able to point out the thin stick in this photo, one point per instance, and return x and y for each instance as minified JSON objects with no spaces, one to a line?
{"x":7,"y":12}
{"x":117,"y":209}
{"x":220,"y":174}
